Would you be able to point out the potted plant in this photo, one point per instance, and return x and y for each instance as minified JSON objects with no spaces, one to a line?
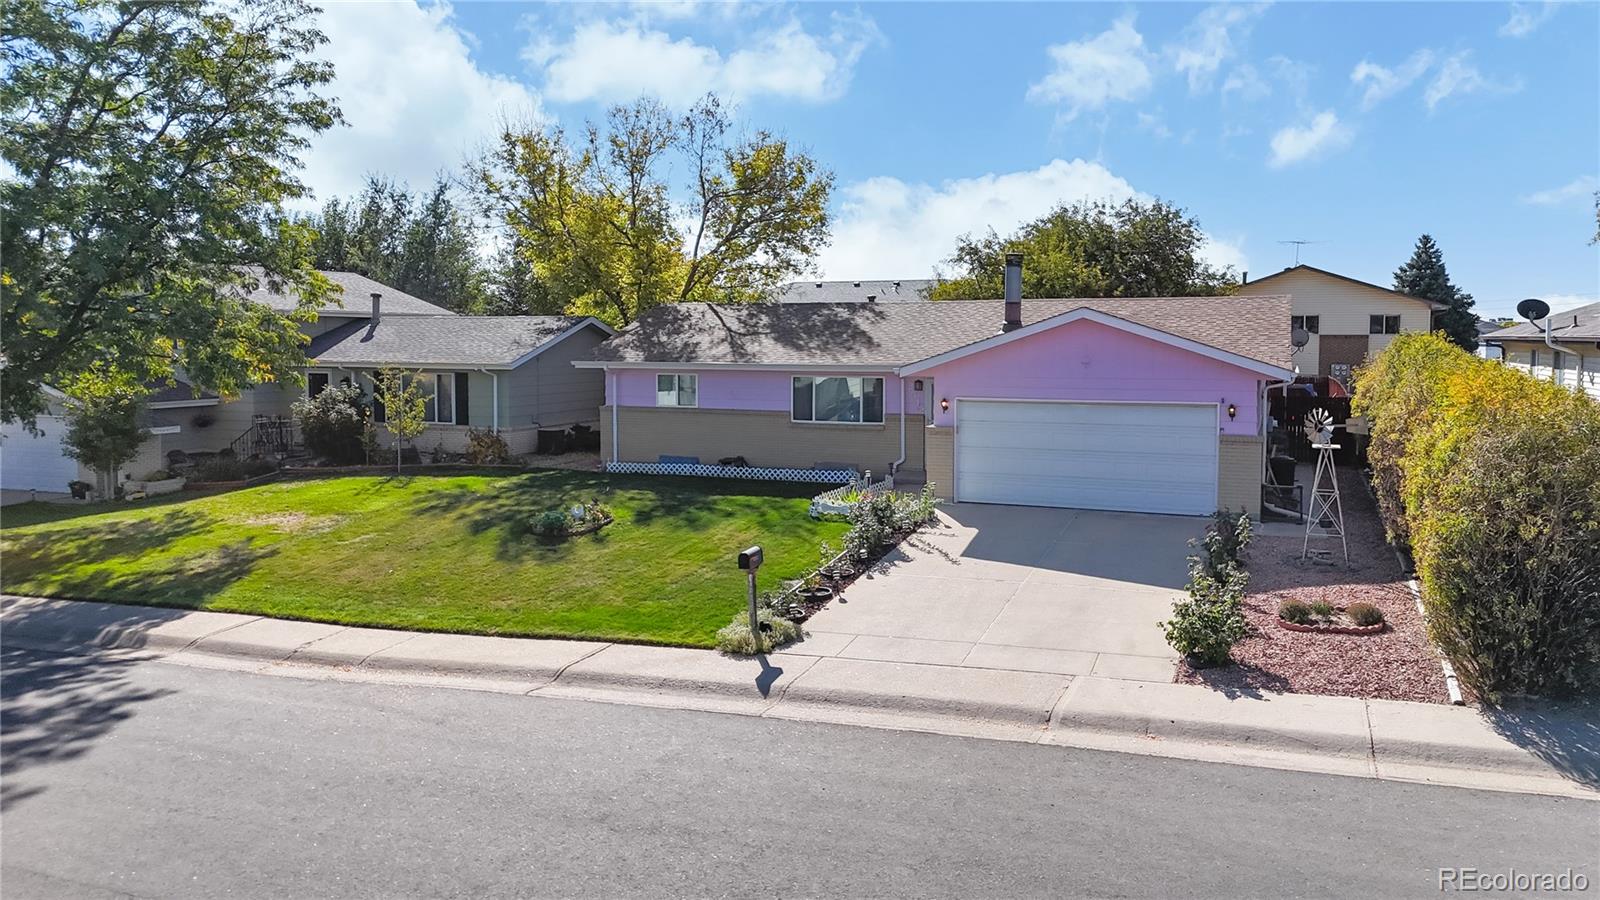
{"x":203,"y":420}
{"x":814,"y":590}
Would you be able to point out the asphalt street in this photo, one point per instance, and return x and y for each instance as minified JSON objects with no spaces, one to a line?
{"x":152,"y":779}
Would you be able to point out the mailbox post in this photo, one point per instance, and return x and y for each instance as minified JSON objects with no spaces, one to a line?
{"x":750,"y":561}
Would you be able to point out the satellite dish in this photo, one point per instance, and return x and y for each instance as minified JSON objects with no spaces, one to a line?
{"x":1318,"y":426}
{"x":1299,"y":337}
{"x":1533,"y":309}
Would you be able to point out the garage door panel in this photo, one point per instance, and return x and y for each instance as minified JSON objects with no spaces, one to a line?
{"x":1139,"y":457}
{"x":35,"y":462}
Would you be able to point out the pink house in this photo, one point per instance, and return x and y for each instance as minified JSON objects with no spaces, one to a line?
{"x":1149,"y":405}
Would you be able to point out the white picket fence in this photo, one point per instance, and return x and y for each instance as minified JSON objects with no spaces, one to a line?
{"x":832,"y":503}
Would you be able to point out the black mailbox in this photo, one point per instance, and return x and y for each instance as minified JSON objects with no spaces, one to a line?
{"x":750,"y":559}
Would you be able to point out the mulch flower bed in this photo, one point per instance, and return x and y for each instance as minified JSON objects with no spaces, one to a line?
{"x":1397,"y":664}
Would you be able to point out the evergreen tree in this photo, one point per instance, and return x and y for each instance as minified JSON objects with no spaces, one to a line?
{"x":1424,"y":276}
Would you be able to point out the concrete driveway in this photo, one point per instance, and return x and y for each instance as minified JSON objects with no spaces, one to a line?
{"x":1073,"y":592}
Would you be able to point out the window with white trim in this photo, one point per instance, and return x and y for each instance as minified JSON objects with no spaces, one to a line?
{"x":677,"y":390}
{"x":841,"y":399}
{"x":439,"y":393}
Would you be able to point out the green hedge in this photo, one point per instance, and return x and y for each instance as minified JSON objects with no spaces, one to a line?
{"x":1493,"y":479}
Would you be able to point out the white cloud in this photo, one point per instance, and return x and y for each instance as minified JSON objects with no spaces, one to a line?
{"x":618,"y":60}
{"x":1087,"y":74}
{"x":1382,"y":82}
{"x":1224,"y":253}
{"x":1526,"y":18}
{"x":1209,"y":41}
{"x":1245,"y":83}
{"x":1583,"y":187}
{"x":888,"y":228}
{"x":1322,"y":135}
{"x":1459,"y":76}
{"x":415,"y":101}
{"x":1153,"y":123}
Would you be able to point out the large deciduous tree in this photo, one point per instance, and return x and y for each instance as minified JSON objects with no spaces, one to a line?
{"x":421,"y":244}
{"x":151,"y":146}
{"x":605,"y":232}
{"x":1092,"y":249}
{"x":1424,"y":276}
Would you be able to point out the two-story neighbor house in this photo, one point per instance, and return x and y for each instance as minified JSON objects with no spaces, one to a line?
{"x":1575,"y":360}
{"x":1348,"y":320}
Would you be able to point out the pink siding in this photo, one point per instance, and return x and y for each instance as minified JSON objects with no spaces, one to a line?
{"x":1090,"y":361}
{"x":1080,"y":361}
{"x":741,"y":390}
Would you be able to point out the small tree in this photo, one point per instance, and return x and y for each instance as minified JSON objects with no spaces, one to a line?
{"x":405,"y":406}
{"x":104,"y":413}
{"x":331,"y":423}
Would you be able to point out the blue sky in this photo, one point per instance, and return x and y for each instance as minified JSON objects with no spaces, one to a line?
{"x":1359,"y":126}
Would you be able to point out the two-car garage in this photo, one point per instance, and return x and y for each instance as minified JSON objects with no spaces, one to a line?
{"x":35,"y":461}
{"x":1138,"y":457}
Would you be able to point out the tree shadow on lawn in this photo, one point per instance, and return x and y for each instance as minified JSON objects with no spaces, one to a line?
{"x":691,"y":504}
{"x":57,"y":548}
{"x":1567,"y":736}
{"x":187,"y":582}
{"x":56,"y":707}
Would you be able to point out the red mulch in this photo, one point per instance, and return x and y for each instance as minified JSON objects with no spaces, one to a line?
{"x":1398,"y":664}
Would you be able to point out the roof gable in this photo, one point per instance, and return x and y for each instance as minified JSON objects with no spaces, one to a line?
{"x":1083,"y":314}
{"x":435,"y":342}
{"x":1313,"y":270}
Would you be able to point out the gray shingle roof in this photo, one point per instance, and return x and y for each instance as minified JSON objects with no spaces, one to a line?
{"x":853,"y":291}
{"x":355,"y":291}
{"x":437,"y":341}
{"x":179,"y":391}
{"x":896,"y":334}
{"x":1580,"y":324}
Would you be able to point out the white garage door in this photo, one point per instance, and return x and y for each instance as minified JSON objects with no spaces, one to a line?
{"x":35,"y":462}
{"x":1140,"y":457}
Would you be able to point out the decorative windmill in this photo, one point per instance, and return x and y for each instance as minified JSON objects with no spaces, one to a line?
{"x":1325,"y":505}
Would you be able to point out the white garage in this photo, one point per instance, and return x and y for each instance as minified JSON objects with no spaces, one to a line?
{"x":1137,"y":457}
{"x":35,"y":462}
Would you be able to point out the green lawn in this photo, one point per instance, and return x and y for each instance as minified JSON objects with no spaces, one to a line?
{"x":430,"y":552}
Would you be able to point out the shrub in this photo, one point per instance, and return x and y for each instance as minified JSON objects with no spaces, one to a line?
{"x":155,"y":475}
{"x":485,"y":447}
{"x":776,"y":632}
{"x":1208,"y":624}
{"x":878,"y":518}
{"x":1294,"y":611}
{"x":332,"y":422}
{"x":1222,"y":545}
{"x":1494,"y":479}
{"x":554,"y":523}
{"x":1364,"y":614}
{"x":551,"y":523}
{"x":1322,"y":610}
{"x":227,"y":468}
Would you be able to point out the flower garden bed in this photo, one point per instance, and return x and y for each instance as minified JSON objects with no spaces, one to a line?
{"x":1395,"y":663}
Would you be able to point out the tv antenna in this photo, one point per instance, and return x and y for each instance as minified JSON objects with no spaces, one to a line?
{"x":1298,"y":245}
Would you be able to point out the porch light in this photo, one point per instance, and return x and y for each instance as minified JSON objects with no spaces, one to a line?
{"x":916,"y":385}
{"x":1232,"y":411}
{"x":944,"y":404}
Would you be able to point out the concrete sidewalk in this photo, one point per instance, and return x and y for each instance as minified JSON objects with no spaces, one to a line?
{"x":1537,"y":752}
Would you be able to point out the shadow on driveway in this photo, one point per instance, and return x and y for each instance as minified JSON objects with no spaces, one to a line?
{"x":1565,"y":736}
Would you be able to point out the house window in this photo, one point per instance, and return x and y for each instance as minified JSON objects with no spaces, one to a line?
{"x":1383,"y":324}
{"x":316,"y":383}
{"x":850,"y":400}
{"x":678,"y":390}
{"x":1312,"y":324}
{"x":439,"y":399}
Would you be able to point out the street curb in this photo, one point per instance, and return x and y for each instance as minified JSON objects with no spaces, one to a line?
{"x":1339,"y":735}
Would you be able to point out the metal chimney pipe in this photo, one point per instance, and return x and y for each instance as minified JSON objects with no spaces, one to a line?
{"x":1013,"y":283}
{"x":377,"y":306}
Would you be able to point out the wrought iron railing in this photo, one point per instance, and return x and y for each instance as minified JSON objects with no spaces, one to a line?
{"x":267,"y":436}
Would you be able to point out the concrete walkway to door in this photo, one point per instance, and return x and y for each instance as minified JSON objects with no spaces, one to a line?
{"x":1074,"y":592}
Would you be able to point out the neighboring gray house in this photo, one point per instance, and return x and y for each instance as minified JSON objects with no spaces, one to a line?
{"x":854,"y":291}
{"x":512,"y":374}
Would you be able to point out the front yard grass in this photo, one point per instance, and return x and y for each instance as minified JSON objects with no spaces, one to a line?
{"x":438,"y":553}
